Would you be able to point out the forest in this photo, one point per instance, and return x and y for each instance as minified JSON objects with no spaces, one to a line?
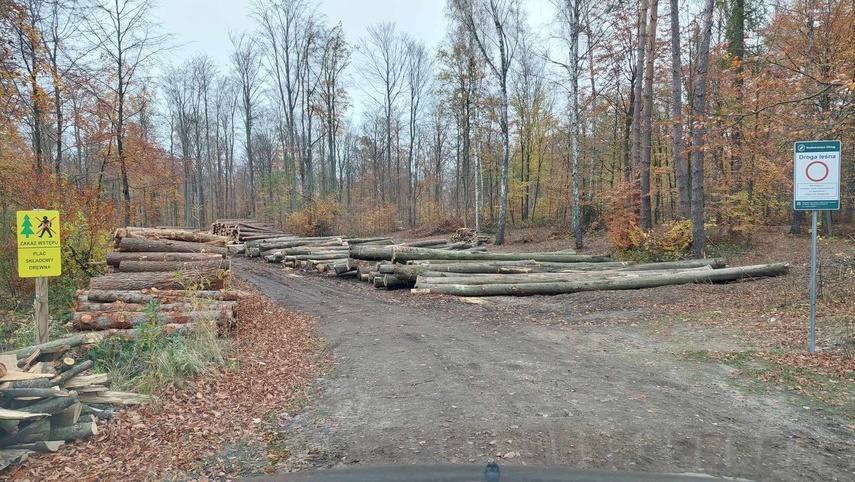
{"x":623,"y":117}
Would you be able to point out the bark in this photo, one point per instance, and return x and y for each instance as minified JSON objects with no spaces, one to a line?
{"x":115,"y":258}
{"x":698,"y":140}
{"x":525,"y":289}
{"x":78,"y":431}
{"x":139,"y":245}
{"x":524,"y":278}
{"x":647,"y":117}
{"x":132,"y":266}
{"x":404,"y":253}
{"x":10,"y":393}
{"x":51,"y":405}
{"x":100,"y":320}
{"x":205,"y":278}
{"x":715,"y":263}
{"x":18,"y":415}
{"x":62,"y":343}
{"x":680,"y":167}
{"x":34,"y":432}
{"x":72,"y":372}
{"x":170,"y":235}
{"x":201,"y":305}
{"x":167,"y":296}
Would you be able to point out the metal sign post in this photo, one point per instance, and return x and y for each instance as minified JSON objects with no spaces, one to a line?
{"x":39,"y":256}
{"x":816,"y":186}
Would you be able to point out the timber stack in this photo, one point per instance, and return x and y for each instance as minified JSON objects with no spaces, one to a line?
{"x":430,"y":271}
{"x":241,"y":230}
{"x":48,"y":398}
{"x":179,"y":272}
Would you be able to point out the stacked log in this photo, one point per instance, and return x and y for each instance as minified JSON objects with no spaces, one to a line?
{"x":46,"y":397}
{"x":170,"y":234}
{"x":242,"y":230}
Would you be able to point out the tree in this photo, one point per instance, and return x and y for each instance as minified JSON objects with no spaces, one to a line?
{"x":681,"y":169}
{"x":699,"y":133}
{"x":123,"y":32}
{"x":497,"y":44}
{"x":647,"y":116}
{"x":418,"y":77}
{"x":246,"y":64}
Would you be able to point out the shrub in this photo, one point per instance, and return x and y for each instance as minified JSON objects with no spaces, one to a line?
{"x":316,"y":219}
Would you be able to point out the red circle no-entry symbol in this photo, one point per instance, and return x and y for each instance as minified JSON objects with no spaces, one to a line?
{"x":816,"y":171}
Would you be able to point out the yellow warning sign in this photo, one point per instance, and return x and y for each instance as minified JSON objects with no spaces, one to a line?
{"x":38,"y":244}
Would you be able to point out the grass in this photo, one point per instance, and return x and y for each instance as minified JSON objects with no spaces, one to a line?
{"x":756,"y":371}
{"x":152,"y":360}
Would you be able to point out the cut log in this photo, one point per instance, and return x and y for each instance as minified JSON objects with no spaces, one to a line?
{"x":19,"y":393}
{"x":170,"y":234}
{"x":18,"y":415}
{"x":36,"y":431}
{"x":715,"y":263}
{"x":78,"y":431}
{"x":131,"y":266}
{"x":168,"y":330}
{"x":36,"y":383}
{"x":81,"y":381}
{"x":52,"y":346}
{"x":51,"y":405}
{"x":200,"y":305}
{"x":64,"y":364}
{"x":164,"y":296}
{"x":405,"y":253}
{"x":393,"y":283}
{"x":17,"y":376}
{"x":115,"y":398}
{"x":140,"y":245}
{"x":487,"y":279}
{"x":208,"y":278}
{"x":72,"y":372}
{"x":115,"y":258}
{"x":370,"y":240}
{"x":101,"y":320}
{"x":525,"y":289}
{"x":47,"y":446}
{"x":68,"y":416}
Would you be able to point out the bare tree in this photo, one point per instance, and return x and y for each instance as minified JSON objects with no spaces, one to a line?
{"x":246,"y":63}
{"x":123,"y":33}
{"x":419,"y":76}
{"x":382,"y":67}
{"x":647,"y":116}
{"x":335,"y":58}
{"x":494,"y":25}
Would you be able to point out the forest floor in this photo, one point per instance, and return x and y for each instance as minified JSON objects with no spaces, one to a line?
{"x":330,"y":373}
{"x":698,"y":378}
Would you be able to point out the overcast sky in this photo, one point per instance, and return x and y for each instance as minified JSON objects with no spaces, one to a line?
{"x":203,"y":25}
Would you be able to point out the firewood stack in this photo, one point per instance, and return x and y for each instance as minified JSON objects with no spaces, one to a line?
{"x":48,"y":398}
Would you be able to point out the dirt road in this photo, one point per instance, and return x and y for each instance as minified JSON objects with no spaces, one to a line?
{"x":539,"y":381}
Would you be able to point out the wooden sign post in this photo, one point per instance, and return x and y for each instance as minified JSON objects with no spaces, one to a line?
{"x":39,"y":256}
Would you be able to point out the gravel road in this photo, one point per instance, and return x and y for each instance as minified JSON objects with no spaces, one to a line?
{"x":442,"y":380}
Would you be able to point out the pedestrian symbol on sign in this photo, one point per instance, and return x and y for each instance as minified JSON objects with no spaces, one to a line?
{"x":45,"y":227}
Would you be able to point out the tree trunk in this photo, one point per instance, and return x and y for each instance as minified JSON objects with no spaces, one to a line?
{"x":104,"y":320}
{"x":167,"y":296}
{"x":137,"y":245}
{"x":680,"y":167}
{"x":78,"y":431}
{"x":63,"y":344}
{"x":207,"y":279}
{"x":114,"y":258}
{"x":647,"y":117}
{"x":183,"y":305}
{"x":404,"y":253}
{"x":525,"y":278}
{"x":524,"y":289}
{"x":170,"y":234}
{"x":131,"y":266}
{"x":37,"y":431}
{"x":698,"y":141}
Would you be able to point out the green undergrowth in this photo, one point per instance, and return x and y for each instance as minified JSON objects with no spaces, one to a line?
{"x":152,"y":360}
{"x":772,"y":372}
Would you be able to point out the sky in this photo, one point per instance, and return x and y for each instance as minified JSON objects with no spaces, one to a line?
{"x":202,"y":26}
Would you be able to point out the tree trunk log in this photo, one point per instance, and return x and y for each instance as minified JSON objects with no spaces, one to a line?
{"x":170,"y":234}
{"x":115,"y":258}
{"x":10,"y":393}
{"x":524,"y":289}
{"x":165,"y":296}
{"x":128,"y":319}
{"x":36,"y":431}
{"x":404,"y":253}
{"x":115,"y":398}
{"x":52,"y":346}
{"x":51,"y":405}
{"x":207,"y":278}
{"x":489,"y":279}
{"x":131,"y":266}
{"x":78,"y":431}
{"x":202,"y":305}
{"x":73,"y":372}
{"x":140,"y":245}
{"x":715,"y":263}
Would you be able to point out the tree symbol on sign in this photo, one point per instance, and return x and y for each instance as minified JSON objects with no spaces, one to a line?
{"x":27,"y":227}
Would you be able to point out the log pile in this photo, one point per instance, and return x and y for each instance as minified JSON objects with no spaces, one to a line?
{"x":48,"y":398}
{"x":469,"y":273}
{"x":171,"y":234}
{"x":242,"y":230}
